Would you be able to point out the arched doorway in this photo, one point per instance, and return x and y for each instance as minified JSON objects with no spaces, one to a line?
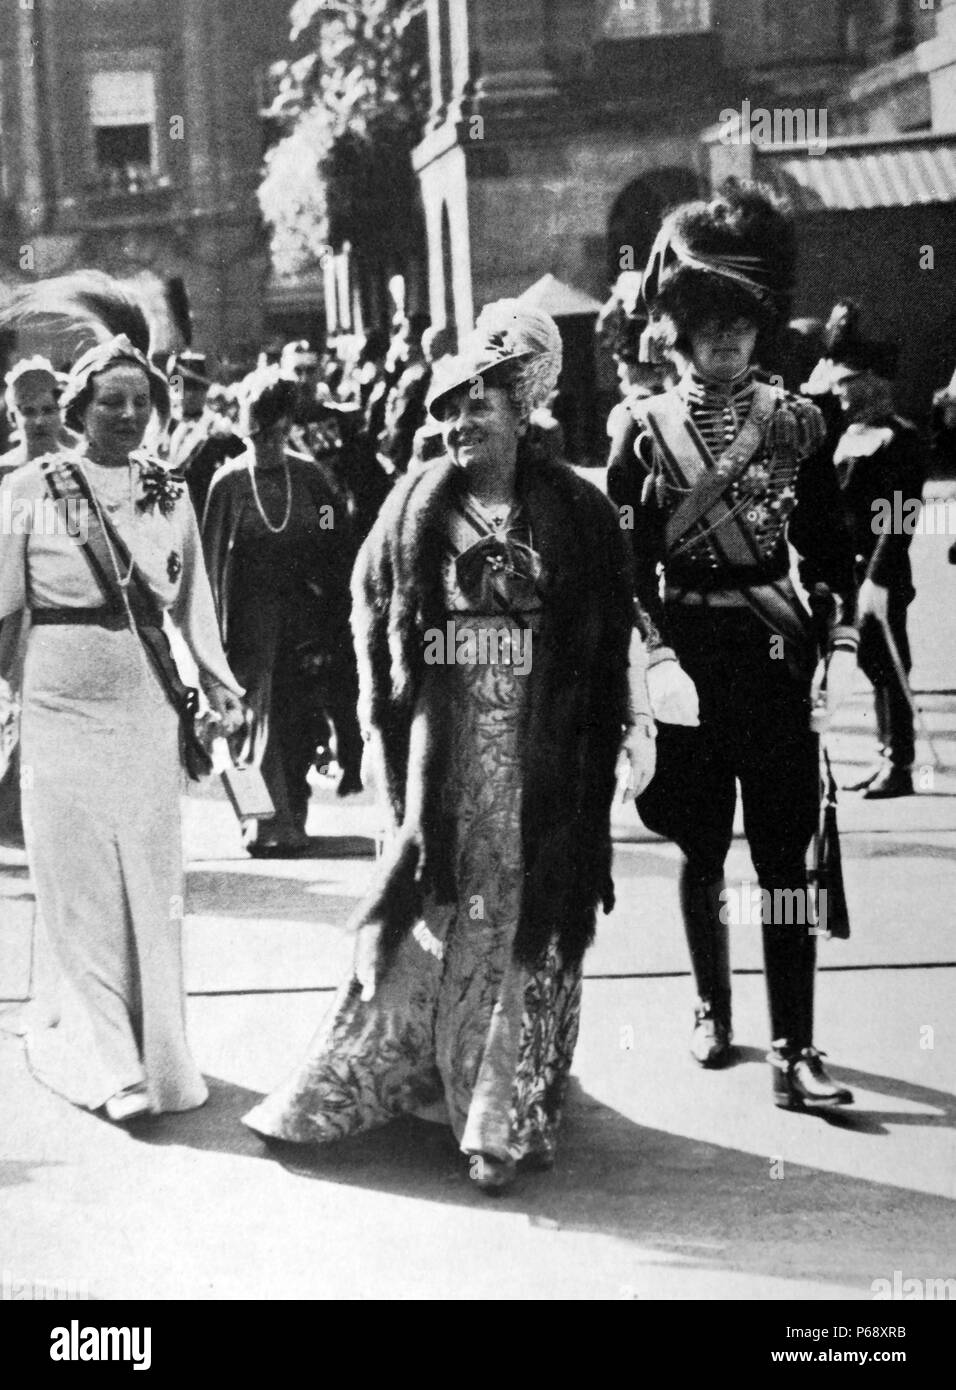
{"x":637,"y":212}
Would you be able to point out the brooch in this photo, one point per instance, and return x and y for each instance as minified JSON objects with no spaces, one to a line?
{"x":160,"y":489}
{"x":174,"y":566}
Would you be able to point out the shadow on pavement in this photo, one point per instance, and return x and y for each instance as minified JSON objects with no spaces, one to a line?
{"x":713,"y":1207}
{"x":221,"y":893}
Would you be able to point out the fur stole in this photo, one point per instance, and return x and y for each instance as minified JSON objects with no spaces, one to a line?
{"x":575,"y":713}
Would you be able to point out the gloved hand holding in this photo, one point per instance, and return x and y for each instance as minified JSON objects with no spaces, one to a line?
{"x":673,"y":695}
{"x":873,"y":601}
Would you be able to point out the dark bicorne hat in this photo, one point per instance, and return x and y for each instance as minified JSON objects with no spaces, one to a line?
{"x":734,"y":255}
{"x":191,"y":366}
{"x":849,"y":352}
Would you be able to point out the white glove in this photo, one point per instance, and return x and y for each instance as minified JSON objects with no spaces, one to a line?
{"x":673,"y":695}
{"x":873,"y":601}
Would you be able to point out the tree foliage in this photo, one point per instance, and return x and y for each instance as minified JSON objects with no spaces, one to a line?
{"x":351,"y":108}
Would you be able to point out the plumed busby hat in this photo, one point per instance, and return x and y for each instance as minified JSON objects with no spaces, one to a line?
{"x":732,"y":256}
{"x":511,"y":345}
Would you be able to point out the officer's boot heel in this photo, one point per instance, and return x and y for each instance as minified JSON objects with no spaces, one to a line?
{"x":709,"y":945}
{"x":802,"y":1082}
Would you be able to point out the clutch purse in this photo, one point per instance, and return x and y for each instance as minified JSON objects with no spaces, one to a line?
{"x":245,"y":787}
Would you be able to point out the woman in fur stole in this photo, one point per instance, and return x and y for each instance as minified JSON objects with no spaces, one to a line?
{"x":493,"y":620}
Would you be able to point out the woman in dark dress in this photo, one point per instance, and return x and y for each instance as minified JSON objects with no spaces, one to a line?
{"x":279,"y":549}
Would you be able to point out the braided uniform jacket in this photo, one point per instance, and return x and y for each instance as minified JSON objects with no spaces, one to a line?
{"x":787,"y":492}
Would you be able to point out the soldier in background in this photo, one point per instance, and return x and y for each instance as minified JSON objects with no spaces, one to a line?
{"x":198,"y":440}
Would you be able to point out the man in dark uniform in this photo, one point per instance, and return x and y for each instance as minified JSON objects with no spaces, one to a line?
{"x":198,"y":441}
{"x":881,"y":469}
{"x":725,"y":467}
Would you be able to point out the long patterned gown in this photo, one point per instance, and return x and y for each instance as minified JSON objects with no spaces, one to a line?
{"x":102,"y":781}
{"x":456,"y":1019}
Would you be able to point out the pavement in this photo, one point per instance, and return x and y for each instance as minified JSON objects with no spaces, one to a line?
{"x":671,"y":1183}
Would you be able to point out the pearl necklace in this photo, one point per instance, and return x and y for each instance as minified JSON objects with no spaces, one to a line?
{"x":122,"y":580}
{"x":276,"y":530}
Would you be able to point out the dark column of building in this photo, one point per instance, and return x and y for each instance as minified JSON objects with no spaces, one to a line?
{"x":33,"y":204}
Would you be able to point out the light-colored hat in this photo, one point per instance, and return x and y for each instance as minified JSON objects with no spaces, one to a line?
{"x":34,"y":366}
{"x":98,"y":359}
{"x":510,"y":343}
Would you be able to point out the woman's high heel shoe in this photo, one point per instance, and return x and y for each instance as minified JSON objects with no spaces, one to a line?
{"x":130,"y":1104}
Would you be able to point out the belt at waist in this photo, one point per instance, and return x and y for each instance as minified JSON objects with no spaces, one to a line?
{"x":84,"y":617}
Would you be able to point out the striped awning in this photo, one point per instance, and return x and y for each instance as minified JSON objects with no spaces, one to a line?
{"x":887,"y":176}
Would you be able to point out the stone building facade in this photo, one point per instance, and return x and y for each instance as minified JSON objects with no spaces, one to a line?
{"x":131,"y":140}
{"x":561,"y":129}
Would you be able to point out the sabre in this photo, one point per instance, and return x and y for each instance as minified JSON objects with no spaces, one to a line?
{"x":905,"y":685}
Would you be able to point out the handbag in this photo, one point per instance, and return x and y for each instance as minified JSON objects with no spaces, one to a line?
{"x":63,"y":479}
{"x":244,"y":785}
{"x":825,"y":871}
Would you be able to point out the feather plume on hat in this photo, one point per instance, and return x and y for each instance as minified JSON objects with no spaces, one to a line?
{"x":114,"y":316}
{"x":86,"y":298}
{"x":510,"y":340}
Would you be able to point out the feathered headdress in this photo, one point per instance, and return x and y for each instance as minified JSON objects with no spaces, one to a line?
{"x":115,"y":318}
{"x":739,"y":248}
{"x":511,"y":344}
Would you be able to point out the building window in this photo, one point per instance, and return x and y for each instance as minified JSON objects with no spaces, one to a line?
{"x":642,"y":19}
{"x":123,"y":117}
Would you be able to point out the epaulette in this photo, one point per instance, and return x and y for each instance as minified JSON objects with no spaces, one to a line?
{"x":797,"y":426}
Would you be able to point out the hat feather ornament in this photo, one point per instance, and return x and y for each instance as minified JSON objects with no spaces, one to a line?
{"x":108,"y":310}
{"x":508,"y":331}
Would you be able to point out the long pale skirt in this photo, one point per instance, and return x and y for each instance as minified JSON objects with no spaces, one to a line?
{"x":102,"y":780}
{"x":455,"y":1018}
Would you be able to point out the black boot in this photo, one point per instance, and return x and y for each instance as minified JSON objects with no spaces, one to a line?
{"x":709,"y":945}
{"x":802,"y":1082}
{"x":891,"y":781}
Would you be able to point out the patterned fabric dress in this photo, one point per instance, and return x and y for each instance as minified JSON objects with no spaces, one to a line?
{"x":456,"y":1018}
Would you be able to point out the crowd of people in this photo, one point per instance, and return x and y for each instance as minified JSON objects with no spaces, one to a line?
{"x":307,"y":528}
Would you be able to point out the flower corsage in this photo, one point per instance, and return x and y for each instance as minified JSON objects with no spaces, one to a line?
{"x":160,"y":489}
